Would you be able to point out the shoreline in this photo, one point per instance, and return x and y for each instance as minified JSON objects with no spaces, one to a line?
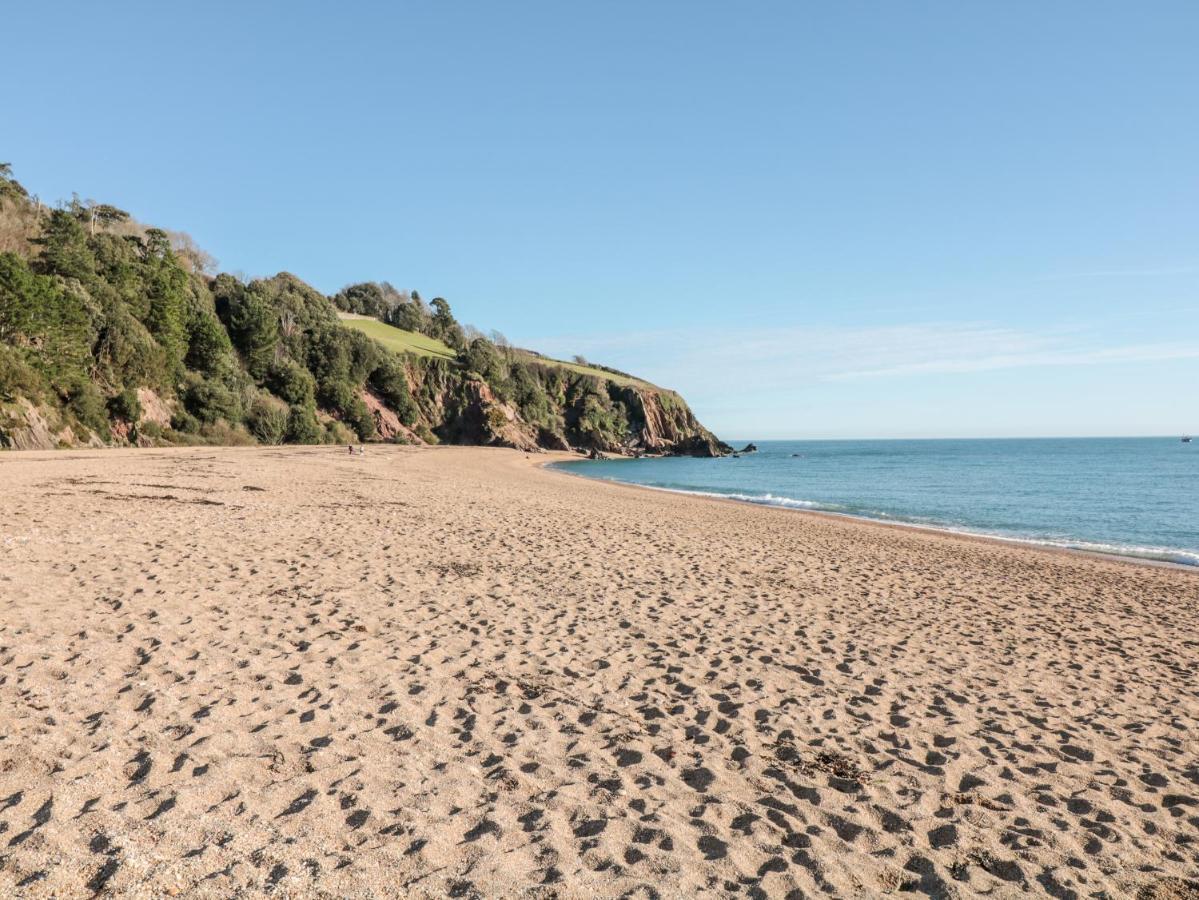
{"x":555,"y":457}
{"x":935,"y":530}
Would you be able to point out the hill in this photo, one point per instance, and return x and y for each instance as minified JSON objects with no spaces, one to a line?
{"x":114,"y":332}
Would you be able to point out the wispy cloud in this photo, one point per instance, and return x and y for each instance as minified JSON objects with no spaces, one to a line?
{"x":710,"y":360}
{"x":1148,"y":272}
{"x":1081,"y":357}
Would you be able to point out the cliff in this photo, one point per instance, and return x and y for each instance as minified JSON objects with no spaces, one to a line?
{"x":114,"y":332}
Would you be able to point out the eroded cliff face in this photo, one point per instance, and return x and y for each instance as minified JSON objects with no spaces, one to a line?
{"x":26,"y":426}
{"x":451,"y":407}
{"x":667,"y":425}
{"x":452,"y":410}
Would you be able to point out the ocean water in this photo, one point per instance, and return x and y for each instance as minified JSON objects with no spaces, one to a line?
{"x":1127,"y":496}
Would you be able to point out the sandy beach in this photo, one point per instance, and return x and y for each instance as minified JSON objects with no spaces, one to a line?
{"x":452,"y":672}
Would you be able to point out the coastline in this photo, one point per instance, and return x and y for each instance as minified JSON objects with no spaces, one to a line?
{"x":432,"y":671}
{"x":936,"y":530}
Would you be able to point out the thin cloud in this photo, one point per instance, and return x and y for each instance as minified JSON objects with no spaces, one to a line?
{"x":715,"y":362}
{"x":1129,"y":354}
{"x":1124,"y":273}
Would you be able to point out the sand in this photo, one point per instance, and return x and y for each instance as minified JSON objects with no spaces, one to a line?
{"x":451,"y":672}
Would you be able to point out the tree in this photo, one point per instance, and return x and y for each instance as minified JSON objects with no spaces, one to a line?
{"x":166,"y":289}
{"x":444,"y":326}
{"x":208,"y":344}
{"x":390,"y":383}
{"x":192,"y":256}
{"x":291,"y":381}
{"x":9,"y":186}
{"x":103,"y":214}
{"x":408,"y":316}
{"x":36,"y":312}
{"x":484,"y":360}
{"x":252,"y":323}
{"x":64,"y":248}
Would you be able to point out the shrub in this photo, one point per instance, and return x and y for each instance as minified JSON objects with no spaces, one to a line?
{"x":337,"y":433}
{"x":268,"y":420}
{"x":87,"y":405}
{"x":496,"y":418}
{"x":125,"y":405}
{"x":336,"y":395}
{"x":184,"y":422}
{"x":364,"y":354}
{"x":225,"y":435}
{"x":17,"y":377}
{"x":391,"y":384}
{"x":302,"y":427}
{"x":210,"y":400}
{"x":340,"y":397}
{"x":291,"y":381}
{"x":359,"y":418}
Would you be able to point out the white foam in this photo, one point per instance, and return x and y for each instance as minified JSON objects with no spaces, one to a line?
{"x":1156,"y":554}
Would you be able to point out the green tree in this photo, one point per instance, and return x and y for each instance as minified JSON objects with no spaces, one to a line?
{"x":126,"y":405}
{"x":65,"y":249}
{"x":211,"y":400}
{"x":302,"y":426}
{"x":292,"y":382}
{"x":390,"y":383}
{"x":37,"y":313}
{"x":253,"y":325}
{"x":208,"y":344}
{"x":166,"y":288}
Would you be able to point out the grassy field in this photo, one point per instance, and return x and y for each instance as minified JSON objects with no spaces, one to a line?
{"x":411,"y":342}
{"x":591,"y":370}
{"x":396,"y":338}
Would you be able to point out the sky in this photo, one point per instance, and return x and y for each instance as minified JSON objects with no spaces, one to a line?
{"x":923,"y":219}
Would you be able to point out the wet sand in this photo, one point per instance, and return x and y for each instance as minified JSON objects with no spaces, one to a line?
{"x":450,"y":672}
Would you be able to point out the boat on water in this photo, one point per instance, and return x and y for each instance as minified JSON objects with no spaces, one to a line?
{"x":1186,"y":440}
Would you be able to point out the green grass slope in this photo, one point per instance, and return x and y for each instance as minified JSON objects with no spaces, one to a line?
{"x":401,"y":341}
{"x":627,"y":380}
{"x":397,"y":339}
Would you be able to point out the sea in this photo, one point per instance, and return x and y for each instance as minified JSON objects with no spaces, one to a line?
{"x":1134,"y":497}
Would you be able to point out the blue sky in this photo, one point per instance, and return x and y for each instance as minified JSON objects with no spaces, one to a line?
{"x":839,"y":219}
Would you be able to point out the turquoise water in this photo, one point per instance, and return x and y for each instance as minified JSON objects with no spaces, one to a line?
{"x":1129,"y":496}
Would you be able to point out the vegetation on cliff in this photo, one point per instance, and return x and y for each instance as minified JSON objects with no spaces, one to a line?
{"x":115,"y":332}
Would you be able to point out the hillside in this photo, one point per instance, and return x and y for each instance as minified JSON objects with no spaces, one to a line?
{"x":114,"y":333}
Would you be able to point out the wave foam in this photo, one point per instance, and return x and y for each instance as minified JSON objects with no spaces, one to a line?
{"x":1154,"y":554}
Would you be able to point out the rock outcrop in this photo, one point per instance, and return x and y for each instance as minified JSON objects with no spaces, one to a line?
{"x":25,"y":426}
{"x":482,"y":419}
{"x":700,"y":445}
{"x":154,"y":408}
{"x":661,"y":422}
{"x":457,"y":411}
{"x":388,"y":426}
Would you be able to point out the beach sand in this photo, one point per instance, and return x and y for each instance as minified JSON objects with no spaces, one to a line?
{"x":451,"y":672}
